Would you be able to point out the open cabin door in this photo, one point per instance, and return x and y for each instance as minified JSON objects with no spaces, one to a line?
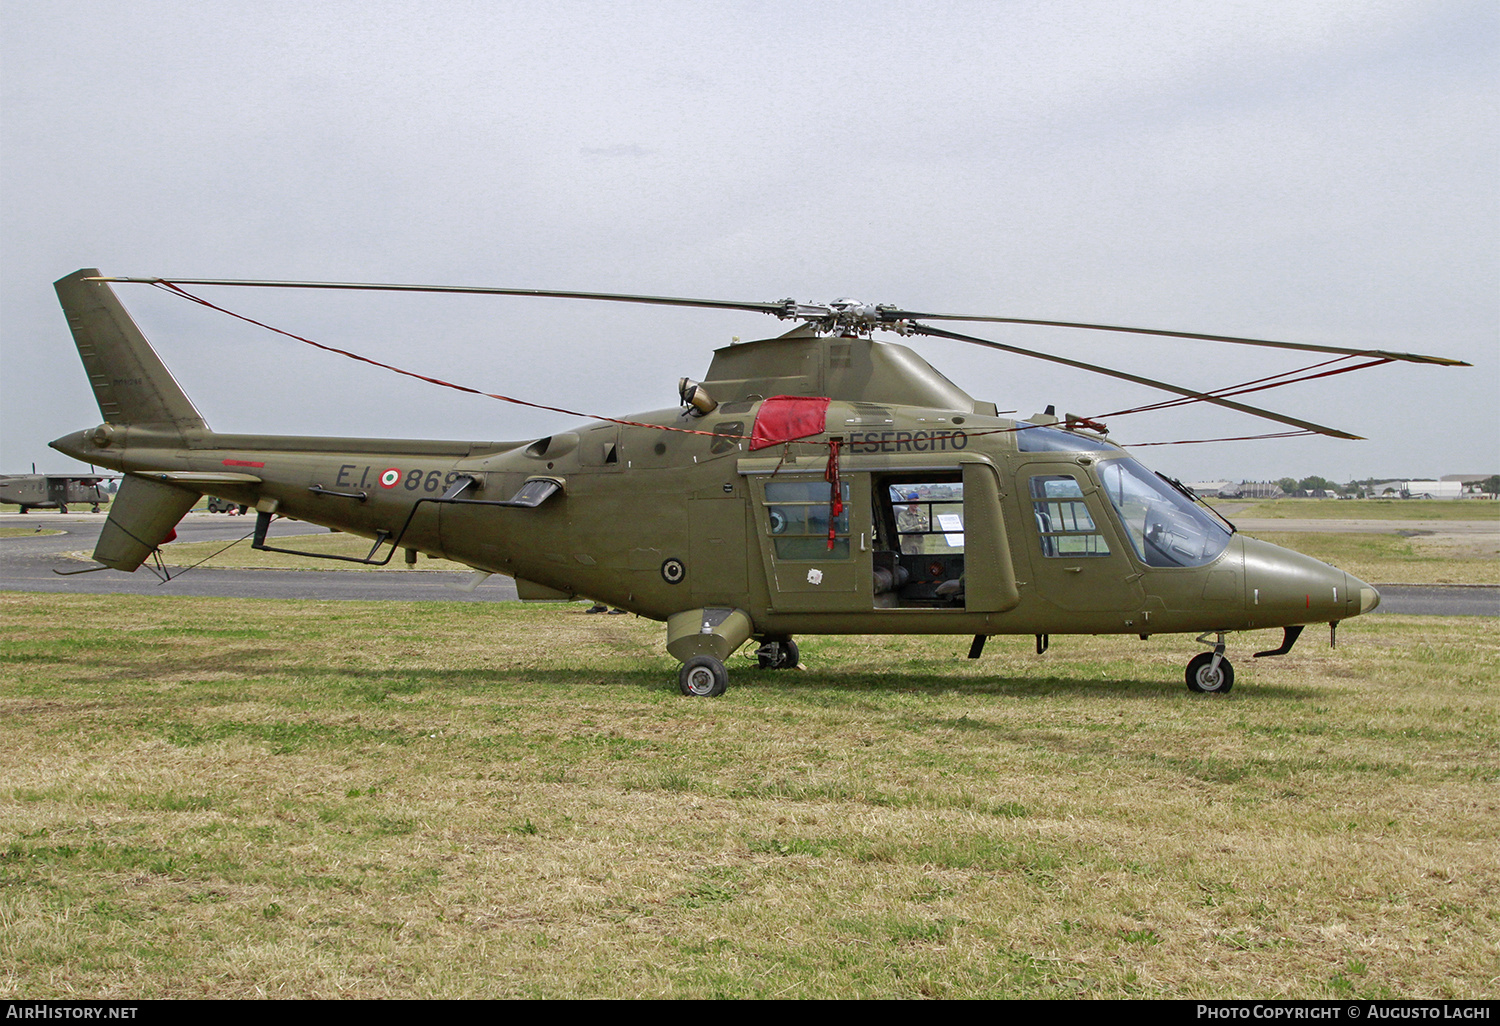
{"x":989,"y":573}
{"x":940,"y":540}
{"x":930,"y":538}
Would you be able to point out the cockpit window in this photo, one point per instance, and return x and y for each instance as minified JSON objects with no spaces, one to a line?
{"x":1035,"y":438}
{"x":1163,"y":525}
{"x":1063,"y":522}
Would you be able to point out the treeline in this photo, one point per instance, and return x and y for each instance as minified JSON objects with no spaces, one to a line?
{"x":1309,"y":485}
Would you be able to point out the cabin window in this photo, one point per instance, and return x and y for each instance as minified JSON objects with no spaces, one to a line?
{"x":798,"y":515}
{"x":1063,"y":522}
{"x":918,"y":557}
{"x":929,"y":516}
{"x":727,"y":436}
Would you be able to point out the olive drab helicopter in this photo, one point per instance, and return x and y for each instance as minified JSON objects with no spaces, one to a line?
{"x":819,"y":482}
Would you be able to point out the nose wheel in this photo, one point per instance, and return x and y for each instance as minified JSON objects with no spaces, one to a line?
{"x":1209,"y":673}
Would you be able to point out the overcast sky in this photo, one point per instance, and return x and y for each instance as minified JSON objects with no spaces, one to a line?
{"x":1302,"y":170}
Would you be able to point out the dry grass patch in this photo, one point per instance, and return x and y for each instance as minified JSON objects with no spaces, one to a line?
{"x":1393,"y":559}
{"x":237,"y":798}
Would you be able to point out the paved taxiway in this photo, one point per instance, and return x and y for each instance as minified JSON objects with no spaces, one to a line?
{"x":26,"y":564}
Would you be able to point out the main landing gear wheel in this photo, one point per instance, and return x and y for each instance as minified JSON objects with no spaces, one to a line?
{"x":779,"y":655}
{"x":1205,"y":679}
{"x":703,"y":677}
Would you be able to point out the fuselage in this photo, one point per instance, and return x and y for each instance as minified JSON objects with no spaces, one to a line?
{"x":50,"y":491}
{"x":952,"y":523}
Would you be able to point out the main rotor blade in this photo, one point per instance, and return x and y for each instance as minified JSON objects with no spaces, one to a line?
{"x":1254,"y":411}
{"x":712,"y":304}
{"x":864,"y":319}
{"x":1309,"y":347}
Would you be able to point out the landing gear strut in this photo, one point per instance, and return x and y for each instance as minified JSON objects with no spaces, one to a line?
{"x":778,"y":655}
{"x":1209,"y":673}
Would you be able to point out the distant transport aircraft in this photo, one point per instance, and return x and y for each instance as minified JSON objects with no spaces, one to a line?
{"x":53,"y":491}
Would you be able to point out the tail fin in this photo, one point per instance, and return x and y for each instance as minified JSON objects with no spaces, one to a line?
{"x":143,"y":515}
{"x":134,"y":388}
{"x":131,"y":383}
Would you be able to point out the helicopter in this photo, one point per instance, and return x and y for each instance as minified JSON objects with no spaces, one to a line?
{"x":816,"y":482}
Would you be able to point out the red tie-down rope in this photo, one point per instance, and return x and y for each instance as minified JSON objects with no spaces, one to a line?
{"x":1259,"y":385}
{"x":178,"y":290}
{"x":836,"y":500}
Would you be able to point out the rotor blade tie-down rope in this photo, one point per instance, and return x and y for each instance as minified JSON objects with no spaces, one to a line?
{"x":177,"y":290}
{"x":1257,"y":386}
{"x":174,"y":289}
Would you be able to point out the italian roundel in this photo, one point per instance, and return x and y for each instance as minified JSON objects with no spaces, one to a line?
{"x":389,"y":478}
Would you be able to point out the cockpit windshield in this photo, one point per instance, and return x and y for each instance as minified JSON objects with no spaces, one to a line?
{"x":1162,"y":523}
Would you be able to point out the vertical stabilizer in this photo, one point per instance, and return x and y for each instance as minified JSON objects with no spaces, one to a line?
{"x":143,"y":515}
{"x":131,"y":383}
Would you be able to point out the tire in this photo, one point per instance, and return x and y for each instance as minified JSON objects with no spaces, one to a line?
{"x":703,"y":677}
{"x":1205,"y":681}
{"x":787,"y":657}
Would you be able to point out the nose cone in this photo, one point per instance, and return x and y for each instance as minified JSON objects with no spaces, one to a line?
{"x":76,"y":445}
{"x":1283,"y":587}
{"x":102,"y":445}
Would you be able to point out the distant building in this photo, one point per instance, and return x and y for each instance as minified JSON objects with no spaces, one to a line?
{"x":1251,"y":490}
{"x":1419,"y":489}
{"x":1473,"y":484}
{"x":1208,"y":489}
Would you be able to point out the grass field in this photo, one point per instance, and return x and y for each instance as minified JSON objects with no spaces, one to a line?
{"x":229,"y":798}
{"x":1370,"y":509}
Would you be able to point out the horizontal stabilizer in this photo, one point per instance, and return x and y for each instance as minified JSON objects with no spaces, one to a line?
{"x":197,"y":478}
